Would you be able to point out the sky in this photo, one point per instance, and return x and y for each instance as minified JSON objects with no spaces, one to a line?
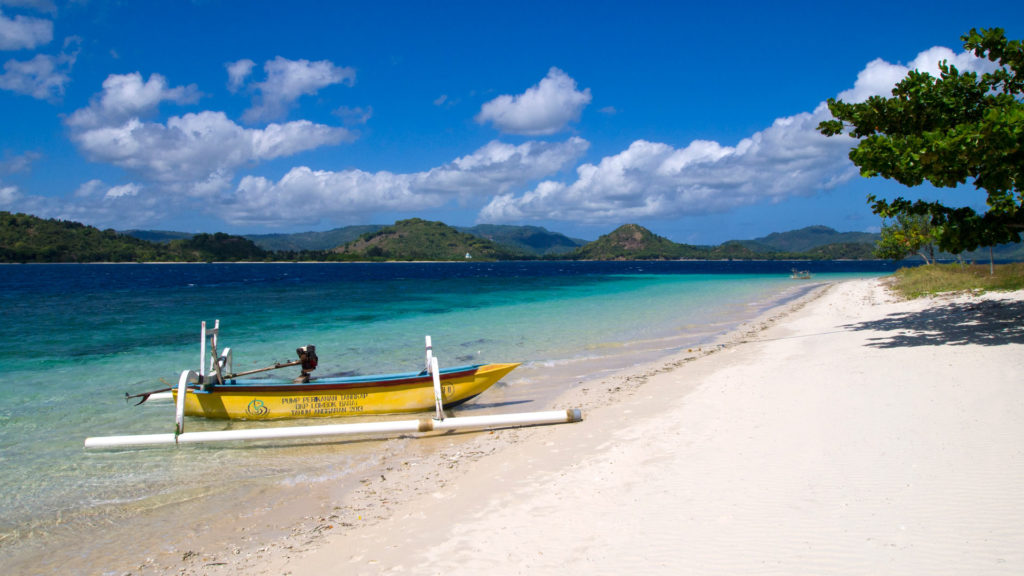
{"x":695,"y":121}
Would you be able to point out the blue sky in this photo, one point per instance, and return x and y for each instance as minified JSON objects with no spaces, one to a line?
{"x":696,"y":121}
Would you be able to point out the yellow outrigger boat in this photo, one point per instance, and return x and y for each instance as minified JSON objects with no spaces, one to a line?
{"x":220,"y":393}
{"x":263,"y":399}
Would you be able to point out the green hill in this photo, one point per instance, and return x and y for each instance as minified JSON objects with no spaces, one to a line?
{"x":417,"y":239}
{"x":528,"y":239}
{"x":842,"y":251}
{"x":809,"y":238}
{"x":634,"y":242}
{"x":219,"y":247}
{"x":733,"y":250}
{"x":25,"y":238}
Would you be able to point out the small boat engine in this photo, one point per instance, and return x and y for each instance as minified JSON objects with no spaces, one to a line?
{"x":307,"y":356}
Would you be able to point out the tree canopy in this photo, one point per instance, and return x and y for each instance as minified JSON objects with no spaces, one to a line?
{"x":948,"y":130}
{"x":907,"y":234}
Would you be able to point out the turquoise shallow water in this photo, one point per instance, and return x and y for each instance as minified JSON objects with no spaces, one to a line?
{"x":74,"y":339}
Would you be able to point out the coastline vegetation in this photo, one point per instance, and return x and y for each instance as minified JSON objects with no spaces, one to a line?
{"x":25,"y":238}
{"x":29,"y":239}
{"x":938,"y":278}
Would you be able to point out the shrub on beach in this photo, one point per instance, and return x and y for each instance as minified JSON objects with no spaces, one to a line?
{"x":924,"y":280}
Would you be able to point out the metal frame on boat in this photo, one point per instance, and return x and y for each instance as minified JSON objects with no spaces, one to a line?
{"x":221,"y":393}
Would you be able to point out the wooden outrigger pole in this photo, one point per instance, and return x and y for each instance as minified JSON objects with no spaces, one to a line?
{"x":438,"y":423}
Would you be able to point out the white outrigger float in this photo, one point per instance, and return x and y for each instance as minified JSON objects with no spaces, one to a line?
{"x":220,"y":393}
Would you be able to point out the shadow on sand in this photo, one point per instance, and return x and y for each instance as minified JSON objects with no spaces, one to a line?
{"x":983,"y":322}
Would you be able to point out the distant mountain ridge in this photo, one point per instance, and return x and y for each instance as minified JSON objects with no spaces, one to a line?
{"x":26,"y":238}
{"x":327,"y":240}
{"x":808,"y":238}
{"x":529,"y":239}
{"x":826,"y":243}
{"x":159,"y":236}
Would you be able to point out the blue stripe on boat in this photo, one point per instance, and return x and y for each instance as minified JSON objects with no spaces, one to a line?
{"x":340,"y":383}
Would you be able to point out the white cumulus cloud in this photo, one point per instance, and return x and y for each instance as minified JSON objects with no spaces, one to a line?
{"x":126,"y":96}
{"x":99,"y":204}
{"x":656,"y":180}
{"x":24,"y":32}
{"x":122,"y":191}
{"x":194,"y":153}
{"x":198,"y":152}
{"x":89,"y":189}
{"x":42,"y":77}
{"x":8,"y":195}
{"x":238,"y":72}
{"x":288,"y":80}
{"x":304,"y":195}
{"x":543,"y":109}
{"x":652,"y":180}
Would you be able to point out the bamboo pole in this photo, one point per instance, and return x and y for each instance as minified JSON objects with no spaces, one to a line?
{"x":392,"y":427}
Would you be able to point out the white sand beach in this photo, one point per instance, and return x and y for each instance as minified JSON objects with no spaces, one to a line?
{"x":847,"y":433}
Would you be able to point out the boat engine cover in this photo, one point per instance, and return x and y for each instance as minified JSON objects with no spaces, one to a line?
{"x":307,"y":355}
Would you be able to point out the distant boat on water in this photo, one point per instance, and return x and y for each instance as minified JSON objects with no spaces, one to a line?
{"x":800,"y":274}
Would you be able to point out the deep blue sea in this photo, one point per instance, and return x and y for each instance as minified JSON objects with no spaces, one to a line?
{"x":75,"y":338}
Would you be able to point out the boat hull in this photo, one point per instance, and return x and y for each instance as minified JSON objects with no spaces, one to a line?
{"x":330,"y":397}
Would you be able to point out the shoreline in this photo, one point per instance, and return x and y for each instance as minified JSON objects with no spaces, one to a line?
{"x":279,"y":486}
{"x":426,"y":467}
{"x":847,"y":432}
{"x":417,"y":493}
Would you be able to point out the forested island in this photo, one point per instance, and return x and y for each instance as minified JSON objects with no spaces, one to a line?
{"x":25,"y":239}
